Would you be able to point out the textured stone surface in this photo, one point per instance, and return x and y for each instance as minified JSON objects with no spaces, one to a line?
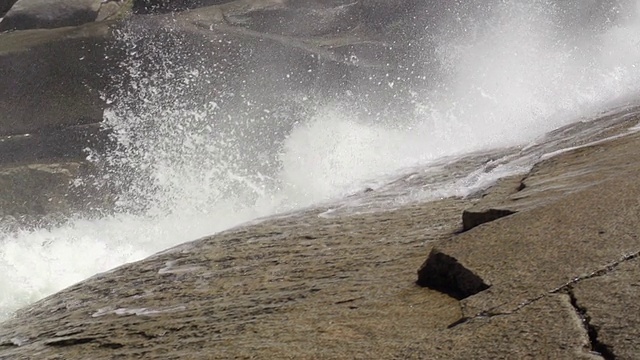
{"x":310,"y":285}
{"x":548,"y":329}
{"x":307,"y":287}
{"x":592,"y":223}
{"x":611,"y":306}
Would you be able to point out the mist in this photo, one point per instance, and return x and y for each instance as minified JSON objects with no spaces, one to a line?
{"x":203,"y":141}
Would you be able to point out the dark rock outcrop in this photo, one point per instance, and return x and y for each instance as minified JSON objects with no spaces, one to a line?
{"x":50,"y":97}
{"x":5,"y":5}
{"x":53,"y":78}
{"x":43,"y":14}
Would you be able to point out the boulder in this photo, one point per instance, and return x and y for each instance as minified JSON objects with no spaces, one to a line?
{"x":39,"y":14}
{"x":443,"y":273}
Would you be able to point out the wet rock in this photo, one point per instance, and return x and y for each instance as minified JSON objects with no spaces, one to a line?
{"x":5,"y":5}
{"x":344,"y":284}
{"x":46,"y":193}
{"x":40,"y":173}
{"x":56,"y":81}
{"x":53,"y":78}
{"x":69,"y":143}
{"x":51,"y":81}
{"x":307,"y":47}
{"x":303,"y":18}
{"x":164,"y":6}
{"x":472,"y":218}
{"x":40,"y":14}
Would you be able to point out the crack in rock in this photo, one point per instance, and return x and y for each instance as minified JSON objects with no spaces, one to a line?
{"x":564,"y":288}
{"x":597,"y":346}
{"x":69,"y":341}
{"x":111,"y":345}
{"x":600,"y":272}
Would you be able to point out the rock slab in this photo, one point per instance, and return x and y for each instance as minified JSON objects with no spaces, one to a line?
{"x":319,"y":287}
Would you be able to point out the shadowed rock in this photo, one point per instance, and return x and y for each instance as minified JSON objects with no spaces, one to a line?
{"x":5,"y":5}
{"x":473,"y":218}
{"x":444,"y":273}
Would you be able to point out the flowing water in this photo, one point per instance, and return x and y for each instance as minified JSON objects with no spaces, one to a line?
{"x":507,"y":74}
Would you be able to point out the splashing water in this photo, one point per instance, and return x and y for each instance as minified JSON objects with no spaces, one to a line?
{"x":189,"y":161}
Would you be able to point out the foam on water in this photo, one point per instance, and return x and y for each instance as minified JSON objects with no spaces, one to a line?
{"x":509,"y":71}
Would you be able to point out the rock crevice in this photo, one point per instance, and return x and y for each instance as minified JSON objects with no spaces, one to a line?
{"x":565,"y":288}
{"x":592,"y":331}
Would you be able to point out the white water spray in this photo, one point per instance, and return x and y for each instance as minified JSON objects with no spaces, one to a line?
{"x":186,"y":168}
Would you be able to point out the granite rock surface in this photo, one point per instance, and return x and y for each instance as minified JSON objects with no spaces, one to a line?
{"x":559,"y":273}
